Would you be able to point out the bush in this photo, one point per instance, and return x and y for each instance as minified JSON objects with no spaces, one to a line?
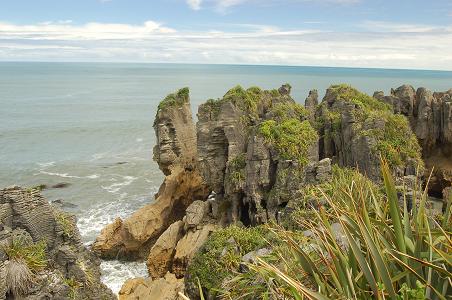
{"x":292,"y":138}
{"x":384,"y":253}
{"x":175,"y":99}
{"x":220,"y":256}
{"x":395,"y":141}
{"x":338,"y":188}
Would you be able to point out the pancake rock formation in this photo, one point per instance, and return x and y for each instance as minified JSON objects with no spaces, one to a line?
{"x":247,"y":162}
{"x":41,"y":255}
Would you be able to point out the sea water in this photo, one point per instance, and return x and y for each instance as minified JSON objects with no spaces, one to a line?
{"x":90,"y":125}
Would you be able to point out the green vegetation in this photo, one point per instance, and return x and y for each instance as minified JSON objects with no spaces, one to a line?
{"x":66,"y":223}
{"x":292,"y":138}
{"x":39,"y":187}
{"x":236,"y":169}
{"x":73,"y":285}
{"x":175,"y":99}
{"x":285,"y":110}
{"x":394,"y":139}
{"x":339,"y":188}
{"x":380,"y":251}
{"x":33,"y":254}
{"x":220,"y":256}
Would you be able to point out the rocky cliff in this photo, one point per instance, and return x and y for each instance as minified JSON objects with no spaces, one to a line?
{"x":430,"y":116}
{"x":255,"y":153}
{"x":41,"y":255}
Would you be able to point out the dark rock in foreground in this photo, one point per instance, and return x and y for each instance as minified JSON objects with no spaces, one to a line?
{"x":41,"y":255}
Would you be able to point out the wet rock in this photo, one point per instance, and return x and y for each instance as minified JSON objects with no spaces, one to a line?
{"x":61,"y":185}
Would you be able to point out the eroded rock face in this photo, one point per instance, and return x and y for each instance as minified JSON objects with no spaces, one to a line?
{"x":237,"y":162}
{"x":356,"y":130}
{"x":28,"y":220}
{"x":175,"y":133}
{"x":430,"y":116}
{"x":161,"y":256}
{"x":176,"y":154}
{"x":134,"y":236}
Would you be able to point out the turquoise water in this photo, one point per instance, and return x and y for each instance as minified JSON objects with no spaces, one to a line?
{"x":90,"y":125}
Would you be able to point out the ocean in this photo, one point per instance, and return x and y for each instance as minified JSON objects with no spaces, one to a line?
{"x":90,"y":125}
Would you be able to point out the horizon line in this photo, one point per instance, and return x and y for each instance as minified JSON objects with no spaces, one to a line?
{"x":222,"y":64}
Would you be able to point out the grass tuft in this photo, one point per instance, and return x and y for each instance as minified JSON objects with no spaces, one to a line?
{"x":34,"y":255}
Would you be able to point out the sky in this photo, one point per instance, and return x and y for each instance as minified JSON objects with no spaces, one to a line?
{"x":410,"y":34}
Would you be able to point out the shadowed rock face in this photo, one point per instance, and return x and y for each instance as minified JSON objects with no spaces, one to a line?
{"x":27,"y":219}
{"x":430,"y":116}
{"x":238,"y":163}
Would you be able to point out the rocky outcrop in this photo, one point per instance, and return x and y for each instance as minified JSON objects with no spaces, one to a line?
{"x":356,"y":129}
{"x":175,"y":153}
{"x":241,"y":154}
{"x":41,"y":254}
{"x":430,"y":116}
{"x":165,"y":288}
{"x":175,"y":132}
{"x":133,"y":237}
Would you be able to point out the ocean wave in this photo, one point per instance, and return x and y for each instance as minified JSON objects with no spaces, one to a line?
{"x":66,"y":175}
{"x":46,"y":164}
{"x":116,"y":187}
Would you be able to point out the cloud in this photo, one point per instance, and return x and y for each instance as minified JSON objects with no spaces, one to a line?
{"x":194,"y":4}
{"x":223,"y":5}
{"x":374,"y":44}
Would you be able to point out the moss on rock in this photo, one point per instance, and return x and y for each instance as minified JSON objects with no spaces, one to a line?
{"x":178,"y":98}
{"x":395,"y":140}
{"x":292,"y":138}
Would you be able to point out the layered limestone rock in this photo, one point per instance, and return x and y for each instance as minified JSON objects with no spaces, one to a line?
{"x":430,"y":116}
{"x":356,"y":129}
{"x":242,"y":153}
{"x":41,"y":255}
{"x":175,"y":132}
{"x":175,"y":153}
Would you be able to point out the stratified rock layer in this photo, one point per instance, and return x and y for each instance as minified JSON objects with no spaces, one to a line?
{"x":26,"y":219}
{"x":430,"y":116}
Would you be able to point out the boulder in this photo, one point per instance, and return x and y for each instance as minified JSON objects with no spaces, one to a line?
{"x":188,"y":246}
{"x":160,"y":257}
{"x":166,"y":288}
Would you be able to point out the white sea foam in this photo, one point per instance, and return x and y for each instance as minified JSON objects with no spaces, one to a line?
{"x":139,"y":140}
{"x":46,"y":164}
{"x":115,"y":273}
{"x":66,"y":175}
{"x":115,"y":187}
